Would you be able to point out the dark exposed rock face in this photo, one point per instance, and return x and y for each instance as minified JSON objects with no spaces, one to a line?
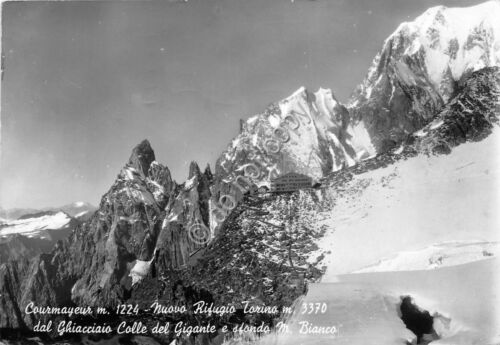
{"x":16,"y":247}
{"x":187,"y":210}
{"x":141,"y":218}
{"x":33,"y":234}
{"x":11,"y":276}
{"x":469,"y":116}
{"x":43,"y":280}
{"x":124,"y":229}
{"x":142,"y":157}
{"x":397,"y":98}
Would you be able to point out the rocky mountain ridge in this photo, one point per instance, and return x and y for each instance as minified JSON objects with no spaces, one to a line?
{"x":151,"y":234}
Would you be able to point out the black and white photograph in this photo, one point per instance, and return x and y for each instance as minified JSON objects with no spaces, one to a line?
{"x":250,"y":172}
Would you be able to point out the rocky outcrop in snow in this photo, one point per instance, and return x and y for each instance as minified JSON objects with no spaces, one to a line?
{"x":468,"y":116}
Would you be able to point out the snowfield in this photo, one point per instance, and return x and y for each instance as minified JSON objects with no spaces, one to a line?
{"x":463,"y":299}
{"x":415,"y":204}
{"x":78,"y":215}
{"x":140,"y":270}
{"x":456,"y":25}
{"x":435,"y":256}
{"x":32,"y":226}
{"x":364,"y":307}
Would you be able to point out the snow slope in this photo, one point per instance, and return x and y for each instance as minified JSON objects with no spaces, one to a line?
{"x":364,"y":307}
{"x":140,"y":270}
{"x":78,"y":215}
{"x":463,"y":299}
{"x":414,"y":204}
{"x":32,"y":227}
{"x":435,"y":256}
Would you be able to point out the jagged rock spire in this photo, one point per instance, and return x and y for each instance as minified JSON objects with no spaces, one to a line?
{"x":194,"y":170}
{"x":142,"y":156}
{"x":208,"y":172}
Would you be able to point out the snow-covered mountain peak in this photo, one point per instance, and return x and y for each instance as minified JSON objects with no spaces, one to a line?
{"x":419,"y":68}
{"x":458,"y":39}
{"x":306,"y":132}
{"x":468,"y":16}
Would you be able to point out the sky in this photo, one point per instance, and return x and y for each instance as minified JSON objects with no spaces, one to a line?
{"x":85,"y":81}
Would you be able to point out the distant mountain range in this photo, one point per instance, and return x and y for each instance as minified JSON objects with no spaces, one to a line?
{"x":76,"y":209}
{"x":25,"y":233}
